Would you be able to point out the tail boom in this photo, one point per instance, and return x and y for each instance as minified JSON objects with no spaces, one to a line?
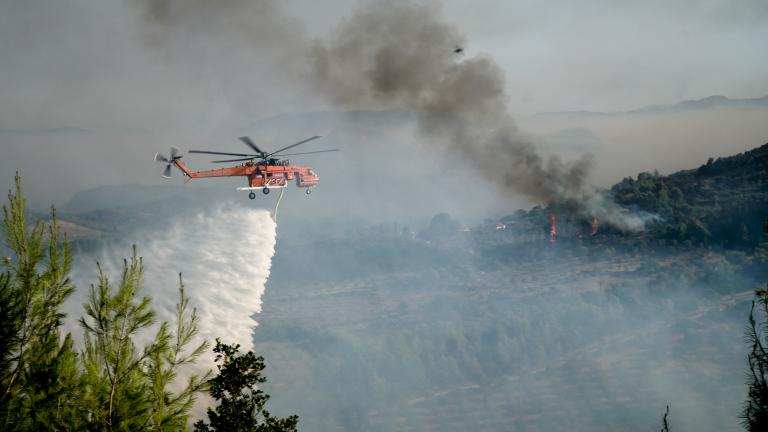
{"x":222,"y":172}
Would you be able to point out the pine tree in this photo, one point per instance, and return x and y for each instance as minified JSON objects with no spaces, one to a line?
{"x":241,"y":402}
{"x":755,"y":413}
{"x":664,"y":421}
{"x":113,"y":384}
{"x":116,"y":393}
{"x":127,"y":387}
{"x":37,"y":367}
{"x":170,"y":411}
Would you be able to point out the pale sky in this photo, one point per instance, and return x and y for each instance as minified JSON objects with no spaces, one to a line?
{"x":87,"y":65}
{"x":615,"y":55}
{"x":604,"y":55}
{"x":558,"y":55}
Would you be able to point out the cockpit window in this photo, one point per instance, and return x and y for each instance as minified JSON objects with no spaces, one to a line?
{"x":312,"y":173}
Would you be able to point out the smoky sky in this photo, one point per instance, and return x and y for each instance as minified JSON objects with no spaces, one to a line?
{"x":85,"y":100}
{"x":402,"y":56}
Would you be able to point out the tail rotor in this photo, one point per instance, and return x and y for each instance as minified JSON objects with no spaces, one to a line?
{"x":175,"y":155}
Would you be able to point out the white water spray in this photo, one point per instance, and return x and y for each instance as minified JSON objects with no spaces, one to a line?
{"x":225,"y":257}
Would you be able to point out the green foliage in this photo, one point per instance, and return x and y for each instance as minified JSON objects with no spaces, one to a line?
{"x":721,"y":203}
{"x":37,"y":369}
{"x":113,"y":384}
{"x":170,"y":411}
{"x":755,"y":413}
{"x":117,"y":394}
{"x":761,"y":251}
{"x":241,"y":402}
{"x":127,"y":387}
{"x":440,"y":227}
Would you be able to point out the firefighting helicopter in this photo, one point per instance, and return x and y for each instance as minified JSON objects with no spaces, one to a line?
{"x":263,"y":171}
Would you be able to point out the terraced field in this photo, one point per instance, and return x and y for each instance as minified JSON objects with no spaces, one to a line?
{"x":581,"y":343}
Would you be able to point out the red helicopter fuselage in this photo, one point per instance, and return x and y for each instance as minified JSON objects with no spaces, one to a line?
{"x":260,"y":176}
{"x":262,"y":170}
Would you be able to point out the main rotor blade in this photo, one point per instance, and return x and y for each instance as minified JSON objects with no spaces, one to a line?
{"x":251,"y":144}
{"x":219,"y":153}
{"x":293,"y":145}
{"x":312,"y":152}
{"x":175,"y":153}
{"x":167,"y":171}
{"x":233,"y":160}
{"x":160,"y":158}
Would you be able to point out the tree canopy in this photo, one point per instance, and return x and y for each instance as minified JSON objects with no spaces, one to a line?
{"x":113,"y":383}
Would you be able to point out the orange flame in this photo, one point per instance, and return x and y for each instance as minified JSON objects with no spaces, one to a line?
{"x":552,"y":226}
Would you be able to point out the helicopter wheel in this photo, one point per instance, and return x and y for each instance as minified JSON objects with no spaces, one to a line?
{"x":309,"y":191}
{"x":252,"y":195}
{"x":265,"y":191}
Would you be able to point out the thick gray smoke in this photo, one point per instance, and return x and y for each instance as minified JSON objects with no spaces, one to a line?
{"x":400,"y":55}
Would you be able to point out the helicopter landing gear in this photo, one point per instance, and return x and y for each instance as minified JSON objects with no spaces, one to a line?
{"x":252,"y":195}
{"x":265,"y":191}
{"x":309,"y":191}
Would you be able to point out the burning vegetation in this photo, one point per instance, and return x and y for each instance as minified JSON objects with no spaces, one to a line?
{"x":592,"y":225}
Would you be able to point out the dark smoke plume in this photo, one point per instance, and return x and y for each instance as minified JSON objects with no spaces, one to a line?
{"x":400,"y":55}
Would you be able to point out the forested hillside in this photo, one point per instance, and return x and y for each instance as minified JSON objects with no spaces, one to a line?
{"x":723,"y":202}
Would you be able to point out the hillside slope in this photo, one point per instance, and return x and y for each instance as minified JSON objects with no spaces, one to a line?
{"x":709,"y":102}
{"x":723,"y":202}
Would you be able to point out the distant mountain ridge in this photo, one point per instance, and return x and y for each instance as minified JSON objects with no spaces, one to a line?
{"x":709,"y":102}
{"x":115,"y":196}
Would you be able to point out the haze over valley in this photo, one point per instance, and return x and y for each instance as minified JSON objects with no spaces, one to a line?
{"x":533,"y":217}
